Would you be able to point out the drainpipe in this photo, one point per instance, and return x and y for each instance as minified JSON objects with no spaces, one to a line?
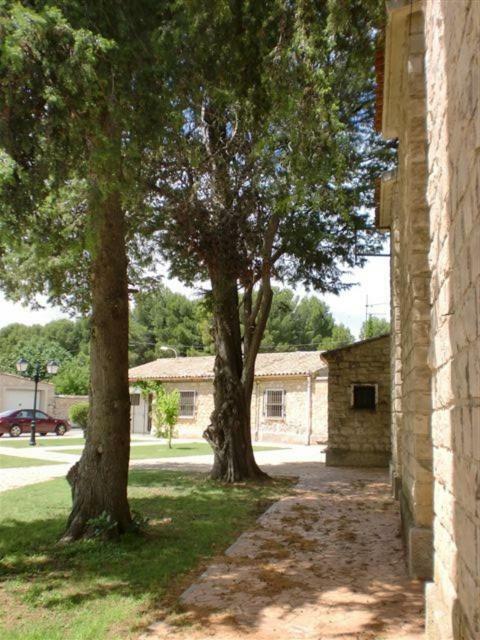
{"x":257,"y":421}
{"x":309,"y":410}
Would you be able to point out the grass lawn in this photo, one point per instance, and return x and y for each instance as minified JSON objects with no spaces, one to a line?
{"x":94,"y":590}
{"x":47,"y":441}
{"x":7,"y":462}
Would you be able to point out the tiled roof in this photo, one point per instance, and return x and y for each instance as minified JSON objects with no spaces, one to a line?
{"x":267,"y":365}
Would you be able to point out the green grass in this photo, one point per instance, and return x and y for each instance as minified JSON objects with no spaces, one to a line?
{"x":94,"y":590}
{"x":8,"y":462}
{"x":177,"y":450}
{"x":47,"y":441}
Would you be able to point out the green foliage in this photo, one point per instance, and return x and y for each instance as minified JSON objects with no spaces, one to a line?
{"x":33,"y":349}
{"x":88,"y":590}
{"x":81,"y":95}
{"x":149,"y":387}
{"x":65,"y":341}
{"x":78,"y":414}
{"x":373,"y":327}
{"x":277,"y":152}
{"x":341,"y":336}
{"x":73,"y":377}
{"x":103,"y":526}
{"x":295,"y":323}
{"x":166,"y":407}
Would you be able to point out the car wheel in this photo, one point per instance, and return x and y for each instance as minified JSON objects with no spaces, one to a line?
{"x":60,"y":430}
{"x":43,"y":434}
{"x":15,"y":431}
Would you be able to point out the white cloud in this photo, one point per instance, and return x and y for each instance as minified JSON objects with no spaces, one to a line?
{"x":11,"y":312}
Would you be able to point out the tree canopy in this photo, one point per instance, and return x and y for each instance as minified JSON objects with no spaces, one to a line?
{"x":373,"y":327}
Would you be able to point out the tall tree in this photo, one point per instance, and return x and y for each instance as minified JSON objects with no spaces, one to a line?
{"x":266,"y":173}
{"x":373,"y":327}
{"x":79,"y":105}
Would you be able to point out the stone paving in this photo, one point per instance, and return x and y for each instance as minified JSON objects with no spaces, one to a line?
{"x":324,"y":564}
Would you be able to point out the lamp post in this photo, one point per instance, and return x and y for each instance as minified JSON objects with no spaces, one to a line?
{"x":52,"y":369}
{"x":165,"y":348}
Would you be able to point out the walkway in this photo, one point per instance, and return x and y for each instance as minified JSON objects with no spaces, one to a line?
{"x":324,"y":564}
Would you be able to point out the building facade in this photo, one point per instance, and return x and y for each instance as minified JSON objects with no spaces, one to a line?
{"x":289,"y":400}
{"x":359,"y":404}
{"x":16,"y":392}
{"x":430,"y":102}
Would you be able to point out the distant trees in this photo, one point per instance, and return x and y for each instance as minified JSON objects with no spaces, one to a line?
{"x":162,"y":317}
{"x":373,"y":327}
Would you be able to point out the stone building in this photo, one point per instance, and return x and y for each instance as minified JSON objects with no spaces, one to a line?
{"x":289,"y":401}
{"x":429,"y":100}
{"x":359,"y":404}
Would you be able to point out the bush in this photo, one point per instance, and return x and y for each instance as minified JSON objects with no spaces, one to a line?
{"x":78,"y":414}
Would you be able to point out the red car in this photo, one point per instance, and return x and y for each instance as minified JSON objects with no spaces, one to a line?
{"x":18,"y":421}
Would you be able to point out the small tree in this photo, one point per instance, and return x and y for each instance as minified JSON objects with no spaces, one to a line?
{"x":78,"y":414}
{"x":167,"y":405}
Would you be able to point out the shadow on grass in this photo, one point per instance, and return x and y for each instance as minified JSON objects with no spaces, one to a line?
{"x":191,"y":519}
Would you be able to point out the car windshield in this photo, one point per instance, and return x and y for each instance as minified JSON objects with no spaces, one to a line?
{"x":5,"y":414}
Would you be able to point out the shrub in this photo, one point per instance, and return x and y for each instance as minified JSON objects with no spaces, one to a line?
{"x":78,"y":414}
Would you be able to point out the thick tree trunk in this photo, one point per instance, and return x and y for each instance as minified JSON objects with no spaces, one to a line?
{"x":99,"y":480}
{"x":229,"y":433}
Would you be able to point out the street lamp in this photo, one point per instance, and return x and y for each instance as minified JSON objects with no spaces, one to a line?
{"x":165,"y":348}
{"x":52,"y":369}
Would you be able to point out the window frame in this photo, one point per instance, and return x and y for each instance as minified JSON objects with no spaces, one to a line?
{"x":193,"y":415}
{"x":352,"y":395}
{"x":267,"y":404}
{"x":135,"y":399}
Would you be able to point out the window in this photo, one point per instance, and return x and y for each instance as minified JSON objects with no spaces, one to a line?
{"x":187,"y":404}
{"x":274,"y":403}
{"x":134,"y":399}
{"x":41,"y":416}
{"x":364,"y":396}
{"x":25,"y":413}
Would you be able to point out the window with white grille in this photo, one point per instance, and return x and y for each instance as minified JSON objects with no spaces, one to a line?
{"x":134,"y":399}
{"x":274,"y":403}
{"x":187,"y":404}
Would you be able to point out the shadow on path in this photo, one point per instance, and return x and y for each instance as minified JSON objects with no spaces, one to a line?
{"x":326,"y":563}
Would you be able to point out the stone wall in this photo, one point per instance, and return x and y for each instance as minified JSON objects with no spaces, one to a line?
{"x":304,"y":422}
{"x":358,"y":437}
{"x":61,"y":405}
{"x":410,"y":282}
{"x":452,"y":36}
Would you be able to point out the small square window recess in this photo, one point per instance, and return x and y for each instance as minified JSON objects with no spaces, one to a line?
{"x":364,"y":396}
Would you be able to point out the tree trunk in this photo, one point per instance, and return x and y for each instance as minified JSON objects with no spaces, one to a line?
{"x":229,"y":433}
{"x":99,"y":479}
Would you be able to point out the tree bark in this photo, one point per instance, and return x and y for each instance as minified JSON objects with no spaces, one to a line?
{"x":99,"y":480}
{"x":229,"y":433}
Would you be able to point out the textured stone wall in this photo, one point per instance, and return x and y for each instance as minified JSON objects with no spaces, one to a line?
{"x":452,"y":36}
{"x":359,"y":437}
{"x":292,"y":428}
{"x":410,"y":279}
{"x":61,"y":405}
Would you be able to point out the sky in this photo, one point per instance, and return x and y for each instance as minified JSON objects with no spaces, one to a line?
{"x":373,"y":281}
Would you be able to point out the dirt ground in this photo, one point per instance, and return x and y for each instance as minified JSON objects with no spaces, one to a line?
{"x":326,"y":563}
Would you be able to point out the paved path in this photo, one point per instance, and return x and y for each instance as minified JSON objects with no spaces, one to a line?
{"x":13,"y":478}
{"x":324,"y":564}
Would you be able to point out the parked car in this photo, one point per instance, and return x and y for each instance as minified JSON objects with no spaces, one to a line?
{"x":18,"y":421}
